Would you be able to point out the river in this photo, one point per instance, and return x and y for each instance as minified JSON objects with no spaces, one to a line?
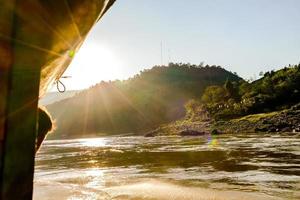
{"x":206,"y":168}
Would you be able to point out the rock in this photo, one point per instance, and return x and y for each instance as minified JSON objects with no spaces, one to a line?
{"x":265,"y":122}
{"x":286,"y":129}
{"x":282,"y":125}
{"x":297,"y":129}
{"x":216,"y":132}
{"x":272,"y":130}
{"x":151,"y":133}
{"x":259,"y":129}
{"x":192,"y":133}
{"x":296,"y":107}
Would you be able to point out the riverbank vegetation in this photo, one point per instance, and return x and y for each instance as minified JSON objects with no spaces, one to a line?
{"x":270,"y":104}
{"x":274,"y":91}
{"x":184,"y":99}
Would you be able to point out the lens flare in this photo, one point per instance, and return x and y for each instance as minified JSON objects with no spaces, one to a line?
{"x":212,"y":141}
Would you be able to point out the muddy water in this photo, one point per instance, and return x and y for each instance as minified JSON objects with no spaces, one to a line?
{"x":220,"y":167}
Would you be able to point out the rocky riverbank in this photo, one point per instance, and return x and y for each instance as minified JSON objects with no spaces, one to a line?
{"x":280,"y":121}
{"x":183,"y":127}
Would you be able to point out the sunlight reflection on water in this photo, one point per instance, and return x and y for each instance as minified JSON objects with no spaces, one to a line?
{"x":94,"y":142}
{"x":251,"y":166}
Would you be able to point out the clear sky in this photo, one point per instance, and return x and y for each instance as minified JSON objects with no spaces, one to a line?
{"x":243,"y":36}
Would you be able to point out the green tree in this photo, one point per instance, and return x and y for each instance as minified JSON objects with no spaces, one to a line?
{"x":214,"y":94}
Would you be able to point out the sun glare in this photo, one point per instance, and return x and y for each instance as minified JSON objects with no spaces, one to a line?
{"x":94,"y":142}
{"x":92,"y":64}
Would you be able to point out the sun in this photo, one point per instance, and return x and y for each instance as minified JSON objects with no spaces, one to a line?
{"x":92,"y":64}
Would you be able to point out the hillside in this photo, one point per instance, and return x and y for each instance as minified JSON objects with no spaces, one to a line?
{"x":141,"y":103}
{"x":270,"y":104}
{"x":273,"y":92}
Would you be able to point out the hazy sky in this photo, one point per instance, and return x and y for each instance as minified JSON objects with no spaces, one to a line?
{"x":243,"y":36}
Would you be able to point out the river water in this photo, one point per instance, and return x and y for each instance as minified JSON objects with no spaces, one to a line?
{"x":219,"y":167}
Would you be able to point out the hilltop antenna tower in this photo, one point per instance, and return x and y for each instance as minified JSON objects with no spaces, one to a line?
{"x":161,"y":53}
{"x":169,"y":55}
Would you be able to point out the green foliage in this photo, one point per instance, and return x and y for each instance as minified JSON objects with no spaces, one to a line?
{"x":195,"y":111}
{"x":274,"y":91}
{"x":149,"y":99}
{"x":214,"y":94}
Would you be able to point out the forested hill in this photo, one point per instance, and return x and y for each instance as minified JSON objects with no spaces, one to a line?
{"x":153,"y":97}
{"x":276,"y":90}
